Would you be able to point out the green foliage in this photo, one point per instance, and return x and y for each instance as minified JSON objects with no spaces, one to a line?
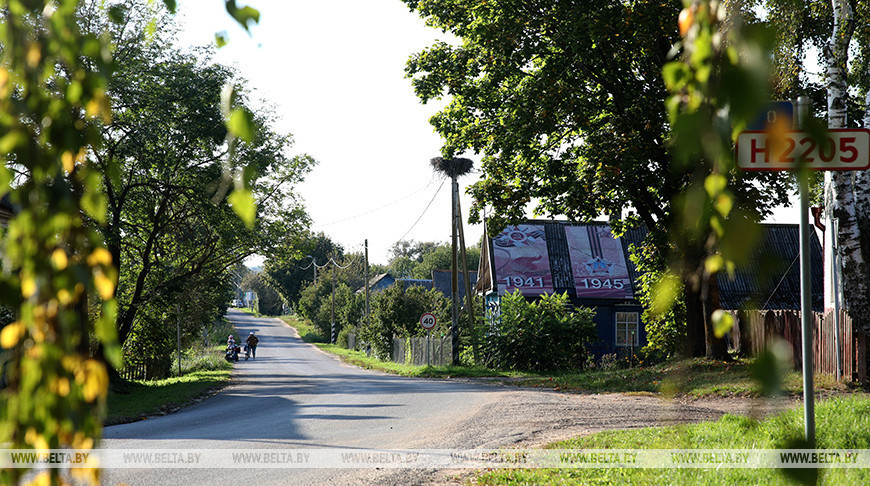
{"x":665,"y":324}
{"x":289,"y":273}
{"x":165,"y":164}
{"x":316,"y":304}
{"x":53,"y":84}
{"x":412,"y":259}
{"x":396,"y":311}
{"x":268,"y":301}
{"x":539,"y":336}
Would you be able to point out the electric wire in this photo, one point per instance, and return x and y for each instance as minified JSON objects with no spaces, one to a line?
{"x":424,"y":210}
{"x":370,"y":211}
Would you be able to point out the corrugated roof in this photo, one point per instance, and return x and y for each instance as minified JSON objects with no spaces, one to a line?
{"x":770,"y":279}
{"x":442,"y":280}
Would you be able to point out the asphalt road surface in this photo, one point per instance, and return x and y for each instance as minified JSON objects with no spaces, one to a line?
{"x":295,"y":397}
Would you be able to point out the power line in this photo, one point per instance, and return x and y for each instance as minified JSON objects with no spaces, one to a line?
{"x":424,"y":211}
{"x":366,"y":213}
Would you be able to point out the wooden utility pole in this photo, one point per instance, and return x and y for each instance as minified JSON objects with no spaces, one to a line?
{"x":367,"y":282}
{"x":454,"y":284}
{"x":469,"y":300}
{"x":332,"y":335}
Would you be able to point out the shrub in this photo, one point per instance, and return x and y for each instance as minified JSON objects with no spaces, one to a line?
{"x":396,"y":312}
{"x":539,"y":336}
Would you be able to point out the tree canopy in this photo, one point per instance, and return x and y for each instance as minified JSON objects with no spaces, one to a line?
{"x":163,"y":162}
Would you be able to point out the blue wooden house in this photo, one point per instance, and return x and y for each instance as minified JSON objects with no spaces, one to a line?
{"x":592,"y":266}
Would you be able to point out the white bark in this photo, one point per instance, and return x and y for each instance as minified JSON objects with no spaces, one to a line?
{"x":843,"y":195}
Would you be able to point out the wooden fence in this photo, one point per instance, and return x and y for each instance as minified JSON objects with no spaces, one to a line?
{"x":143,"y":370}
{"x":413,"y":351}
{"x":754,"y":330}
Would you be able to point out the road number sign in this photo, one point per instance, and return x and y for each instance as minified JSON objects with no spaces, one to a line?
{"x":840,"y":149}
{"x":773,"y":113}
{"x":428,"y":320}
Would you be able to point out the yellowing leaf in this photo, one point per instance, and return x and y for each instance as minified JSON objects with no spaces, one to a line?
{"x":104,"y":285}
{"x":28,"y":286}
{"x":68,"y":161}
{"x":723,"y":204}
{"x":94,"y":380}
{"x":100,"y":256}
{"x":11,"y":334}
{"x":667,"y":289}
{"x":715,"y":184}
{"x":722,"y":322}
{"x":59,"y":259}
{"x":713,"y":264}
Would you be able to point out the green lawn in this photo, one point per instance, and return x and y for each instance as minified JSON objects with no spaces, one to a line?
{"x":841,"y":423}
{"x":145,"y":398}
{"x":693,"y":377}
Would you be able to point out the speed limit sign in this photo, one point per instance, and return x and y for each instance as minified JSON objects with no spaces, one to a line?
{"x":428,"y":320}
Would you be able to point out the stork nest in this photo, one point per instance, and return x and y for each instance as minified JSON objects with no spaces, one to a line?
{"x":453,"y":167}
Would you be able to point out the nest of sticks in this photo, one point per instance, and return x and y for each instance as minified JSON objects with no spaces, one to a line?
{"x":454,"y":167}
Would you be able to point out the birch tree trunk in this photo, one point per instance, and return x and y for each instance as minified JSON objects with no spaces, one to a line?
{"x":845,"y":191}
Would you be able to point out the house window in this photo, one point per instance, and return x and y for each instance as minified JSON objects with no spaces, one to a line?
{"x":627,"y":328}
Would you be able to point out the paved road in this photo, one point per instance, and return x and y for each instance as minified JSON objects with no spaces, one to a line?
{"x":295,"y":396}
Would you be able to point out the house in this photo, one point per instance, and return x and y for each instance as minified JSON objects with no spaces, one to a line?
{"x":442,"y":281}
{"x":592,"y":266}
{"x":384,"y":280}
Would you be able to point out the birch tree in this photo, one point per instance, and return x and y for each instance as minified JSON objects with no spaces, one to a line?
{"x":846,"y":191}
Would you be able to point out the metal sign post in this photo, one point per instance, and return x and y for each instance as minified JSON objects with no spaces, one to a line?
{"x":428,"y":322}
{"x":803,"y":109}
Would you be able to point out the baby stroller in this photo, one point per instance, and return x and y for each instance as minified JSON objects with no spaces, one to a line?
{"x":247,"y":352}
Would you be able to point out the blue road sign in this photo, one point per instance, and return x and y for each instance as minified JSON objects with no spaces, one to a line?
{"x":773,"y":111}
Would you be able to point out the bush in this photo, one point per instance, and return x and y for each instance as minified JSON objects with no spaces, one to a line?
{"x":542,"y":335}
{"x":396,"y":312}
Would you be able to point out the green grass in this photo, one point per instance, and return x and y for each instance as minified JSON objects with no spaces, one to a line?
{"x":841,"y":423}
{"x":693,"y":377}
{"x":144,"y":398}
{"x":203,"y":369}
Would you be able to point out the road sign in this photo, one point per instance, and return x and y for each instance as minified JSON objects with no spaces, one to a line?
{"x":840,"y":149}
{"x":428,"y":321}
{"x":774,"y":112}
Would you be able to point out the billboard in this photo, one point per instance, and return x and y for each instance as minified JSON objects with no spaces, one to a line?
{"x":521,"y":260}
{"x":598,"y":263}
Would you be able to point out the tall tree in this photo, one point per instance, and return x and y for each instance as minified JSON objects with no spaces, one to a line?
{"x":162,"y":163}
{"x":566,"y":104}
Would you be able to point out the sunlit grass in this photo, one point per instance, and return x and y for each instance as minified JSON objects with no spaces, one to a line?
{"x":144,"y":398}
{"x":841,"y":423}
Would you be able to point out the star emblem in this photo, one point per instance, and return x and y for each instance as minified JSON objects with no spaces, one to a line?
{"x":598,"y":265}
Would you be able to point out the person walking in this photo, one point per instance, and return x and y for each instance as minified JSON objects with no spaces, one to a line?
{"x":252,"y":344}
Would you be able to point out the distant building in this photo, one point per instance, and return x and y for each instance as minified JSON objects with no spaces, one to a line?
{"x":384,"y":280}
{"x":592,"y":266}
{"x":442,"y":281}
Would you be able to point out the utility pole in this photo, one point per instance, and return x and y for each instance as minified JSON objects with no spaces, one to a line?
{"x":469,"y":300}
{"x":367,"y":282}
{"x":178,"y":335}
{"x":454,"y":167}
{"x":454,"y":284}
{"x":333,"y":334}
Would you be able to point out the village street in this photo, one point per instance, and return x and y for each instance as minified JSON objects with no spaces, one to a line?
{"x":293,"y":396}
